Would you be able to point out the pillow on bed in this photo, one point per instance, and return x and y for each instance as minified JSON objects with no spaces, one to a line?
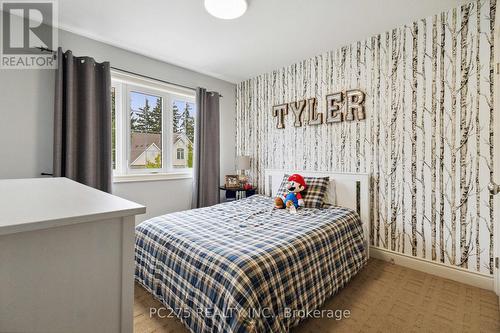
{"x":315,"y":192}
{"x":282,"y":189}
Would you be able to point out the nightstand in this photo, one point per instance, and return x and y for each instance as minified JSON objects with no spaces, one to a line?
{"x":237,"y":193}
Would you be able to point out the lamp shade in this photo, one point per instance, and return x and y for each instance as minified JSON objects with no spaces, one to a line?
{"x":243,"y":162}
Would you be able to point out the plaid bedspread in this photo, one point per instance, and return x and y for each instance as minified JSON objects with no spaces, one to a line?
{"x":244,"y":267}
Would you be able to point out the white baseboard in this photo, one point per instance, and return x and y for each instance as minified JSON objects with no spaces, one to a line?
{"x":453,"y":273}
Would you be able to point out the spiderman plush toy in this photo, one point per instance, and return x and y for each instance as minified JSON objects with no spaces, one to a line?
{"x":295,"y":186}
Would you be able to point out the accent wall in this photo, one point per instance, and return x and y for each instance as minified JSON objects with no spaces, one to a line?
{"x":427,"y":139}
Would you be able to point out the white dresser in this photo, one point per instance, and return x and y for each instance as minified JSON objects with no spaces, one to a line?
{"x":66,"y":257}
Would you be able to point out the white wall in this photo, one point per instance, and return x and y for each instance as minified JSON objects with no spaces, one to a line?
{"x":26,"y":100}
{"x":26,"y":114}
{"x":160,"y":197}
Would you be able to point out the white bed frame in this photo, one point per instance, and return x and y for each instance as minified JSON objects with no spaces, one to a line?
{"x":351,"y":190}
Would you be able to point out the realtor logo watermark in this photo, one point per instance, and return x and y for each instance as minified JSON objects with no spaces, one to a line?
{"x":28,"y":26}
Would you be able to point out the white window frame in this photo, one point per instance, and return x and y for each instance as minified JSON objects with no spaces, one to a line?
{"x":129,"y":88}
{"x":124,"y":84}
{"x":118,"y":127}
{"x":182,"y":152}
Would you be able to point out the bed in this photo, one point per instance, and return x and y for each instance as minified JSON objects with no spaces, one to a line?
{"x":244,"y":267}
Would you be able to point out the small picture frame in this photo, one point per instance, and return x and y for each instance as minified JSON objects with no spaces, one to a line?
{"x":232,"y":181}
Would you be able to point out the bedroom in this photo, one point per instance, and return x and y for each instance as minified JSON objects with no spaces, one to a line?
{"x":146,"y":147}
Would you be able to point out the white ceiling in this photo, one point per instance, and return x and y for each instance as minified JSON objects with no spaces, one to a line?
{"x":273,"y":33}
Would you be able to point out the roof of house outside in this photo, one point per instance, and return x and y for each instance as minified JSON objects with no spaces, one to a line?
{"x":183,"y":136}
{"x":141,"y":141}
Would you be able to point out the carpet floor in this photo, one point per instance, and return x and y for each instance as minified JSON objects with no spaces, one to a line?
{"x":383,"y":297}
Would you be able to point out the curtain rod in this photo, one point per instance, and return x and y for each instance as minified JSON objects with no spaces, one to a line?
{"x":137,"y":74}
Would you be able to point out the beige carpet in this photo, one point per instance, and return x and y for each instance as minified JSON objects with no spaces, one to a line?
{"x":382,"y":298}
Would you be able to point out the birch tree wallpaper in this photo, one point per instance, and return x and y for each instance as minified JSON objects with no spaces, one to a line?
{"x":427,"y":139}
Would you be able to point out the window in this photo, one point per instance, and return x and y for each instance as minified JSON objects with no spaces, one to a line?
{"x":146,"y":114}
{"x":180,"y":153}
{"x":152,"y":127}
{"x":183,"y":131}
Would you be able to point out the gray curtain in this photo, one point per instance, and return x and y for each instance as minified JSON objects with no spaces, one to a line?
{"x":206,"y":172}
{"x":82,"y":121}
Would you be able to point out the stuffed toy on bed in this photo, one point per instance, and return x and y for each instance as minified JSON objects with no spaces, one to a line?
{"x":293,"y":199}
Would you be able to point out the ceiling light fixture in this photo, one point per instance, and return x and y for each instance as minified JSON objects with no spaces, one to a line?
{"x":226,"y":9}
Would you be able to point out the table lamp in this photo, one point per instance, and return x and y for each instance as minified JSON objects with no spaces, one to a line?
{"x":243,"y":163}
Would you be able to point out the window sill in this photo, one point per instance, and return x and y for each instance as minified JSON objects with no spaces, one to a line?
{"x":151,"y":177}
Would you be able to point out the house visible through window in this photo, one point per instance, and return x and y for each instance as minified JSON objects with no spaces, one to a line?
{"x":152,"y":126}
